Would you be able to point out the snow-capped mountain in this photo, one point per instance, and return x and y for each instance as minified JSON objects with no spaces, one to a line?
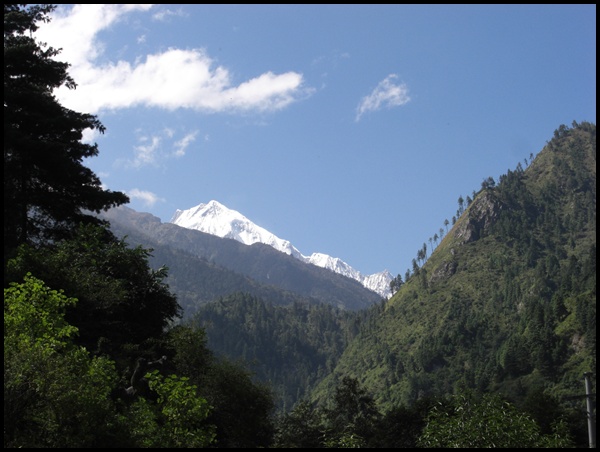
{"x":216,"y":219}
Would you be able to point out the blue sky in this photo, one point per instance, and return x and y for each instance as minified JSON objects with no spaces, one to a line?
{"x":349,"y":130}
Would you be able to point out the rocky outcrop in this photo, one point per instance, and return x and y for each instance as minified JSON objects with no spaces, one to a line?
{"x":482,"y":213}
{"x":444,"y":271}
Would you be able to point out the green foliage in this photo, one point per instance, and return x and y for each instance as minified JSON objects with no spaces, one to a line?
{"x":350,"y":420}
{"x":300,"y":428}
{"x":401,"y":426}
{"x":32,"y":311}
{"x":55,"y":394}
{"x":468,"y":421}
{"x":242,"y":408}
{"x":121,"y":299}
{"x":291,"y":347}
{"x":351,"y":417}
{"x":461,"y":421}
{"x":191,"y":355}
{"x":345,"y":440}
{"x":176,"y":420}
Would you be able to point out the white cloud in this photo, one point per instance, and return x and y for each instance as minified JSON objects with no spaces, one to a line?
{"x":146,"y":197}
{"x":386,"y":94}
{"x":82,"y":22}
{"x":171,"y":79}
{"x":146,"y":153}
{"x":182,"y":145}
{"x":167,"y":13}
{"x":89,"y":136}
{"x":156,"y":148}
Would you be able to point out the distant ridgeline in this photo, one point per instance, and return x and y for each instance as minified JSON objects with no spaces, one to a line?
{"x":203,"y":267}
{"x":216,"y":219}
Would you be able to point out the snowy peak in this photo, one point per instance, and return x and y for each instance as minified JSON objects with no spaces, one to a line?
{"x":335,"y":264}
{"x":379,"y":282}
{"x":216,"y":219}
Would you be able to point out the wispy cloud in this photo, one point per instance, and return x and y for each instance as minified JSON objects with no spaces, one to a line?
{"x":167,"y":13}
{"x":147,"y":198}
{"x":182,"y":145}
{"x":386,"y":94}
{"x":146,"y":153}
{"x":155,"y":148}
{"x":171,"y":79}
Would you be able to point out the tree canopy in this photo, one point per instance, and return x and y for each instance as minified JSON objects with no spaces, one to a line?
{"x":56,"y":394}
{"x":122,"y":302}
{"x":481,"y":421}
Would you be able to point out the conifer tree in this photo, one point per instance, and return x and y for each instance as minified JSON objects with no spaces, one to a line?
{"x":47,"y":189}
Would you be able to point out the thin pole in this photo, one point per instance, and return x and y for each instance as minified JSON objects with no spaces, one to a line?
{"x":590,"y":410}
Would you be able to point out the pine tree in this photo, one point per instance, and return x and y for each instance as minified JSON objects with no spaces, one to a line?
{"x":47,"y":190}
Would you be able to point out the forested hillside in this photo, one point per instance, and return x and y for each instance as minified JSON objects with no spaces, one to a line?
{"x":507,"y":301}
{"x":291,"y":347}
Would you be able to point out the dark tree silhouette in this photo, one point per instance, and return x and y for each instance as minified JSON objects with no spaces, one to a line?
{"x":138,"y":382}
{"x":461,"y":206}
{"x":47,"y":190}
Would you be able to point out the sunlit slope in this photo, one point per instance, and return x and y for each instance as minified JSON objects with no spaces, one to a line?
{"x":506,"y":301}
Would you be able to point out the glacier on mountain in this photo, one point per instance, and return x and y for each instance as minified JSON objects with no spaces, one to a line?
{"x":216,"y":219}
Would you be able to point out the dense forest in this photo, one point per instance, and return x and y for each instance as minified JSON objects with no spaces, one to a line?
{"x":483,"y":344}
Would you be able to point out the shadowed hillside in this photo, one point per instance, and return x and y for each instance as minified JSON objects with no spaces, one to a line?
{"x":203,"y":266}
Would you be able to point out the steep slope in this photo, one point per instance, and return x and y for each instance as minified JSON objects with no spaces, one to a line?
{"x":260,"y":264}
{"x":216,"y":219}
{"x":506,"y":302}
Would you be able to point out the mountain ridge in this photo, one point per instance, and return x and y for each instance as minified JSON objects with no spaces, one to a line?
{"x":261,"y":263}
{"x":217,"y":219}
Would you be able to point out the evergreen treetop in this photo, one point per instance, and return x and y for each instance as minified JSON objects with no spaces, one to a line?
{"x":47,"y":189}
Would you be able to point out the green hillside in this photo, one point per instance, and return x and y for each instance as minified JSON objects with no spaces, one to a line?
{"x":291,"y":347}
{"x":506,"y":302}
